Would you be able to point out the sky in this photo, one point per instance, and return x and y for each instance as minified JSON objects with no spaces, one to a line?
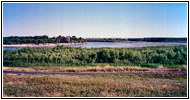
{"x":104,"y":20}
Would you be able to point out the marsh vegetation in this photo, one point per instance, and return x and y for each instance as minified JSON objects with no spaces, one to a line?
{"x":68,"y":56}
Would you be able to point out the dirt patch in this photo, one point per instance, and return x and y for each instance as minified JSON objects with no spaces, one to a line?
{"x":18,"y":69}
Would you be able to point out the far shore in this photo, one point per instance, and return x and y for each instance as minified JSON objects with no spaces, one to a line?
{"x":42,"y":44}
{"x":145,"y":42}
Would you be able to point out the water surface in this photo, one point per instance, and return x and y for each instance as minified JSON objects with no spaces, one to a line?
{"x":122,"y":44}
{"x":110,"y":44}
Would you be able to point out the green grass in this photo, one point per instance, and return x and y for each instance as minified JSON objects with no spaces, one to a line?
{"x":94,"y":86}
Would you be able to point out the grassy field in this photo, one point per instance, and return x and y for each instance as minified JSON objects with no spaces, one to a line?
{"x":64,"y":59}
{"x":20,"y":85}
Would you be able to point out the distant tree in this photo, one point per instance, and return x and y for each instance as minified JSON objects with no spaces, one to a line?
{"x":40,"y":39}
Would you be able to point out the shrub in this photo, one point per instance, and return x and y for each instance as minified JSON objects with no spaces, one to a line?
{"x":61,"y":55}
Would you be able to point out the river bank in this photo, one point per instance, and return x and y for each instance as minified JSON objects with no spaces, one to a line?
{"x":42,"y":44}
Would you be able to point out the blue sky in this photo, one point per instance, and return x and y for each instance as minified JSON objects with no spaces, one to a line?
{"x":95,"y":19}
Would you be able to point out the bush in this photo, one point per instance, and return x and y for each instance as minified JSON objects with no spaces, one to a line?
{"x":61,"y":55}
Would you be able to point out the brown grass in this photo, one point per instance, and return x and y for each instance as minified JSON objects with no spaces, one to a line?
{"x":94,"y":86}
{"x":106,"y":68}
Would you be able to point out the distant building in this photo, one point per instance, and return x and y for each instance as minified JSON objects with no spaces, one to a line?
{"x":68,"y":38}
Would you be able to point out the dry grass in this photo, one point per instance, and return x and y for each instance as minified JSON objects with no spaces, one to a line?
{"x":77,"y":69}
{"x":106,"y":68}
{"x":182,"y":68}
{"x":94,"y":86}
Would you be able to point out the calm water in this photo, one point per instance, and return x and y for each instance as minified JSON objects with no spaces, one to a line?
{"x":109,"y":44}
{"x":14,"y":48}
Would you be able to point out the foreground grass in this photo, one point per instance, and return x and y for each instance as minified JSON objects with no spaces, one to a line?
{"x":94,"y":86}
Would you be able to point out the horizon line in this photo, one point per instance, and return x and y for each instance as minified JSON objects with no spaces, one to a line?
{"x":102,"y":37}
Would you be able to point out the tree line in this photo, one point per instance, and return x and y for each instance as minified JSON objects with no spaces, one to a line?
{"x":161,"y":39}
{"x":74,"y":39}
{"x":61,"y":56}
{"x":151,"y":39}
{"x":41,"y":39}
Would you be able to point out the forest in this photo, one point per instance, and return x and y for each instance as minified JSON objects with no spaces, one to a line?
{"x":68,"y":56}
{"x":150,"y":39}
{"x":74,"y":39}
{"x":159,"y":39}
{"x":41,"y":39}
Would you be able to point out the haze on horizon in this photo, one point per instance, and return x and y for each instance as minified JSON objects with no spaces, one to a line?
{"x":105,"y":20}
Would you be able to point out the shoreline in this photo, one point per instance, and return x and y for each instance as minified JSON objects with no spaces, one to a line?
{"x":145,"y":42}
{"x":42,"y":44}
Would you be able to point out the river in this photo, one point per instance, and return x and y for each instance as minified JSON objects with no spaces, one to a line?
{"x":110,"y":44}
